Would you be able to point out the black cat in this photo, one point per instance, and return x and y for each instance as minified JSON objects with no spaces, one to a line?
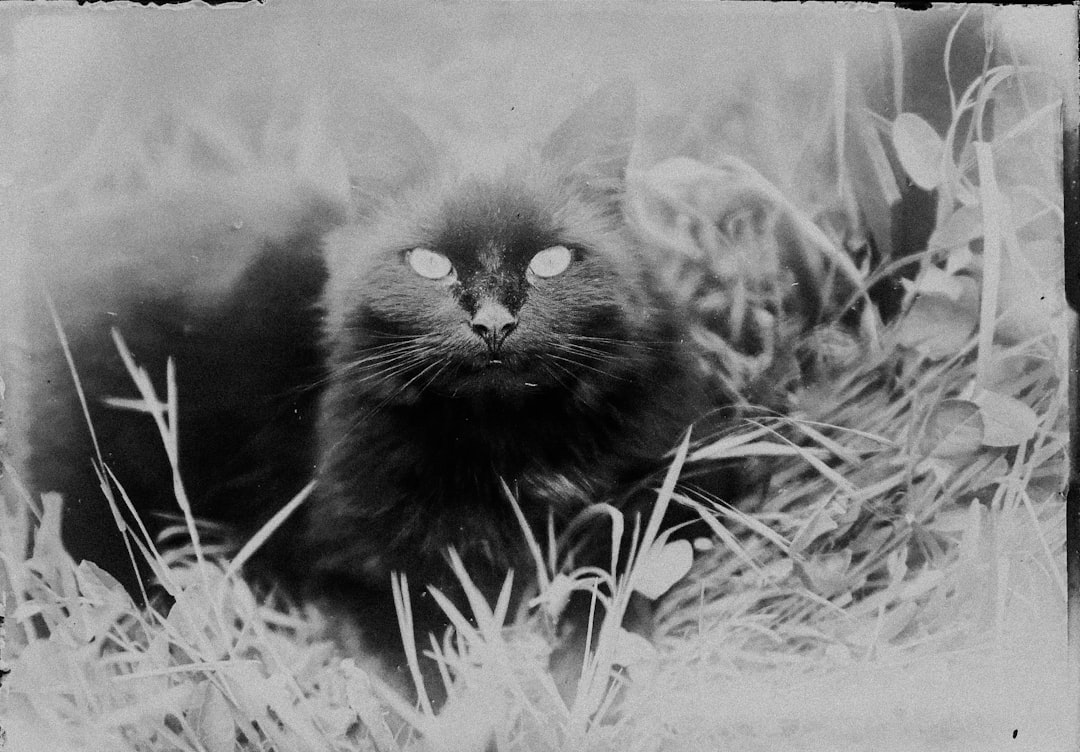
{"x":481,"y":330}
{"x":466,"y":330}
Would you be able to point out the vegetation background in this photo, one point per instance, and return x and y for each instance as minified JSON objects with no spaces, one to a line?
{"x":903,"y":587}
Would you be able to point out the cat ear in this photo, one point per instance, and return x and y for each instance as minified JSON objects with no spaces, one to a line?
{"x":594,"y":143}
{"x":385,"y":152}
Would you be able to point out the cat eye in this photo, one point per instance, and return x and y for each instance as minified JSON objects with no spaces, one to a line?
{"x":551,"y":262}
{"x":429,"y":264}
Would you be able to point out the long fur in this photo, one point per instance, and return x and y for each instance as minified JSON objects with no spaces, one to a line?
{"x":417,"y":435}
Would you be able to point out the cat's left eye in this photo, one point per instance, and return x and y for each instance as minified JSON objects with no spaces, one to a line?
{"x":429,"y":264}
{"x":551,"y":262}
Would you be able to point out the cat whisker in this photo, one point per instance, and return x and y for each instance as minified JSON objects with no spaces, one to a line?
{"x":379,"y":367}
{"x":368,"y":353}
{"x":592,"y":352}
{"x":386,"y":358}
{"x":398,"y":336}
{"x":435,"y":376}
{"x":439,"y":363}
{"x":588,"y":358}
{"x":374,"y":368}
{"x":594,"y":405}
{"x":377,"y":350}
{"x":410,"y":382}
{"x":589,"y":348}
{"x":642,"y":344}
{"x":383,"y":358}
{"x":593,"y":338}
{"x":551,"y":369}
{"x":381,"y":361}
{"x":393,"y":371}
{"x":395,"y":347}
{"x":576,"y":362}
{"x":374,"y":409}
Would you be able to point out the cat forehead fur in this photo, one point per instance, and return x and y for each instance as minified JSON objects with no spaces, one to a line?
{"x":526,"y":191}
{"x":565,"y":189}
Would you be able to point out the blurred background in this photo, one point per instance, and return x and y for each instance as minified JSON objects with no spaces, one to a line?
{"x":104,"y":102}
{"x":109,"y":102}
{"x":174,"y":142}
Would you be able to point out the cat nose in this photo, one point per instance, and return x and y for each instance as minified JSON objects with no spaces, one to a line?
{"x":493,"y":323}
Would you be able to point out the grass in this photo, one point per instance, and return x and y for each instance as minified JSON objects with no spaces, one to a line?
{"x":900,"y":581}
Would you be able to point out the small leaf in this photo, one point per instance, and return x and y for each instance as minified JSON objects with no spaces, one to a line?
{"x":1008,"y":421}
{"x":935,"y":281}
{"x":919,"y":148}
{"x":870,"y":138}
{"x":100,"y":586}
{"x":936,"y":326}
{"x":820,"y":523}
{"x":775,"y":572}
{"x":826,"y":574}
{"x":213,"y":722}
{"x":1009,"y":369}
{"x":663,"y":567}
{"x":954,"y":430}
{"x":957,"y":230}
{"x":1028,"y":301}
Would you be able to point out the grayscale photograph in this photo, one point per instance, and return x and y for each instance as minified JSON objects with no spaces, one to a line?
{"x":536,"y":377}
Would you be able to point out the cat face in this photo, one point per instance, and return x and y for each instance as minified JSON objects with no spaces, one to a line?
{"x":507,"y":283}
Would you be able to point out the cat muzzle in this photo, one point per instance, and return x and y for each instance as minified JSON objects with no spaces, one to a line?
{"x":493,"y":323}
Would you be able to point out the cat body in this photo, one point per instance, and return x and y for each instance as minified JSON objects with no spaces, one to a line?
{"x":231,"y":296}
{"x":422,"y":421}
{"x":542,"y":362}
{"x":468,"y":333}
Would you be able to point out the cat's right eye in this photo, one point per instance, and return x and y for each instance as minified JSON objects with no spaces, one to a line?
{"x":429,"y":264}
{"x":551,"y":262}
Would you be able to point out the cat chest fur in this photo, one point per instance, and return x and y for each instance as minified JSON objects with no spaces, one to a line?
{"x":488,"y":335}
{"x":399,"y":484}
